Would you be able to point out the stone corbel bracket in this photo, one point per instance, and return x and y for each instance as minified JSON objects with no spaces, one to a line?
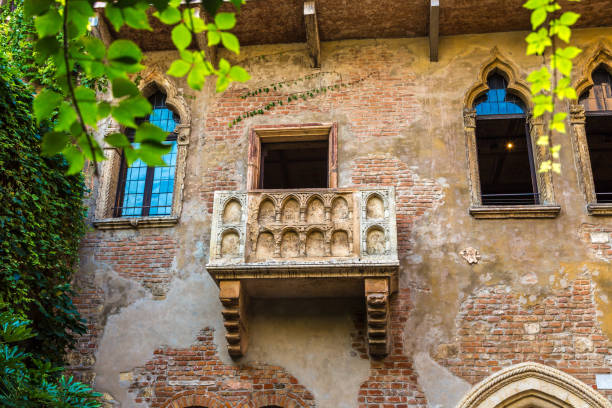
{"x":377,"y":295}
{"x":234,"y":301}
{"x":228,"y":227}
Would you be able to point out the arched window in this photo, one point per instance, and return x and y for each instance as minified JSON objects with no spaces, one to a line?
{"x":597,"y":103}
{"x":146,"y":190}
{"x":503,"y":143}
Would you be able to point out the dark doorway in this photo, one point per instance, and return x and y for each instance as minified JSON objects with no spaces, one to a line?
{"x":293,"y":165}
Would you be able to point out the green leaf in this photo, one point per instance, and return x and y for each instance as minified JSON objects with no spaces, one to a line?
{"x":181,"y":37}
{"x":238,"y":3}
{"x":211,"y":6}
{"x":53,"y":143}
{"x":534,"y":4}
{"x":95,"y":47}
{"x":36,"y":7}
{"x":179,"y":68}
{"x":538,"y":42}
{"x":148,"y":131}
{"x":104,"y":109}
{"x":224,"y":66}
{"x":151,"y":152}
{"x":136,"y":18}
{"x":66,"y":117}
{"x":564,"y":65}
{"x":239,"y":74}
{"x":568,"y":18}
{"x":193,"y":22}
{"x":197,"y":76}
{"x":45,"y":103}
{"x":568,"y":52}
{"x":75,"y":158}
{"x":125,"y":52}
{"x":230,"y":41}
{"x":538,"y":16}
{"x":540,"y":80}
{"x":213,"y":38}
{"x":131,"y":108}
{"x":542,"y":103}
{"x":561,"y":31}
{"x":48,"y":24}
{"x":46,"y":47}
{"x":117,"y":140}
{"x":114,"y":15}
{"x":169,"y":16}
{"x":124,"y":87}
{"x":87,"y":105}
{"x":225,"y":21}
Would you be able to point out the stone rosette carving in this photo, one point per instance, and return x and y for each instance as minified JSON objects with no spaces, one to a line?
{"x":471,"y":255}
{"x":228,"y":233}
{"x":535,"y":381}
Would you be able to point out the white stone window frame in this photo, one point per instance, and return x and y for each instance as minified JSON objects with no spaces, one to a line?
{"x":547,"y":207}
{"x":152,"y":81}
{"x":601,"y":56}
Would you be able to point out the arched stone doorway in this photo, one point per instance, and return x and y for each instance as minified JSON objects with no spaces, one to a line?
{"x":532,"y":385}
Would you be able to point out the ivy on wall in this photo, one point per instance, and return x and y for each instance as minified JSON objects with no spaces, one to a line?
{"x":41,"y":224}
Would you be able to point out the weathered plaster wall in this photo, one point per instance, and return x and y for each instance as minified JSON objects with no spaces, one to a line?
{"x":402,"y":125}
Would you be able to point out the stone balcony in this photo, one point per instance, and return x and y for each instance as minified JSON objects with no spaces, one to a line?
{"x":304,"y":243}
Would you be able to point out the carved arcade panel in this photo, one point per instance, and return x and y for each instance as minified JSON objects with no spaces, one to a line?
{"x":303,"y":227}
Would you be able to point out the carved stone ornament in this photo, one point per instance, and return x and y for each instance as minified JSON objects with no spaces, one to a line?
{"x":471,"y":255}
{"x":532,"y":384}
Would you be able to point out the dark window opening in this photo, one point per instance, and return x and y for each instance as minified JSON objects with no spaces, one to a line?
{"x":146,"y":190}
{"x":599,"y":140}
{"x":505,"y":158}
{"x":293,"y":165}
{"x":599,"y":96}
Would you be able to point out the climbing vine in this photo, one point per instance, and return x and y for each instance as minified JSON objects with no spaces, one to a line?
{"x":551,"y":84}
{"x":293,"y":96}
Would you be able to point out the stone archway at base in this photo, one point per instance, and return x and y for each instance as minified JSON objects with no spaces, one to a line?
{"x":529,"y":385}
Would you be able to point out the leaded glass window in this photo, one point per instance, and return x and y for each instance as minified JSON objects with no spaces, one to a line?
{"x":146,"y":190}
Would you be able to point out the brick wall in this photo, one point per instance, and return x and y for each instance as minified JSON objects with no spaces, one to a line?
{"x":223,"y":177}
{"x":496,"y":330}
{"x":599,"y":240}
{"x":145,"y":257}
{"x":196,"y":374}
{"x":393,"y":383}
{"x":413,"y":195}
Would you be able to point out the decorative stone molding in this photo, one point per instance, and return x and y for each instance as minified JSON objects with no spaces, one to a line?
{"x":234,"y":301}
{"x":377,"y":310}
{"x":601,"y":55}
{"x":304,"y":243}
{"x":513,"y":386}
{"x":263,"y":399}
{"x":152,"y":80}
{"x":547,"y":208}
{"x":190,"y":399}
{"x":284,"y":133}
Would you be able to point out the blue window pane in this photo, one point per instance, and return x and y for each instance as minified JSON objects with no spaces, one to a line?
{"x":157,"y":196}
{"x":497,"y":101}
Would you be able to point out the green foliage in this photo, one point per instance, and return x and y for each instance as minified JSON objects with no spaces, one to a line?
{"x":27,"y":381}
{"x":71,"y":112}
{"x":40,"y":225}
{"x":546,"y":87}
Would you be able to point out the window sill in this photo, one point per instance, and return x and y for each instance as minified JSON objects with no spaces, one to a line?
{"x":599,"y":209}
{"x":515,"y":211}
{"x":137,"y":222}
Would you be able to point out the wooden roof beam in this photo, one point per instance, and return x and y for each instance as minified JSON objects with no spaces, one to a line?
{"x":312,"y":33}
{"x":434,"y":29}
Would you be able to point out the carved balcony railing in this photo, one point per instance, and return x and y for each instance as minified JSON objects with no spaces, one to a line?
{"x":304,"y":243}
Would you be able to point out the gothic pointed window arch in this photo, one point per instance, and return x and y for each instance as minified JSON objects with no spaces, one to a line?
{"x":597,"y":104}
{"x":148,"y":190}
{"x":505,"y":156}
{"x":502,"y":156}
{"x":139,"y":196}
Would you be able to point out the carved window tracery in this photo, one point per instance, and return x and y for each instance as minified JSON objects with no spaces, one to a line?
{"x":109,"y":212}
{"x":500,"y":131}
{"x":591,"y":121}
